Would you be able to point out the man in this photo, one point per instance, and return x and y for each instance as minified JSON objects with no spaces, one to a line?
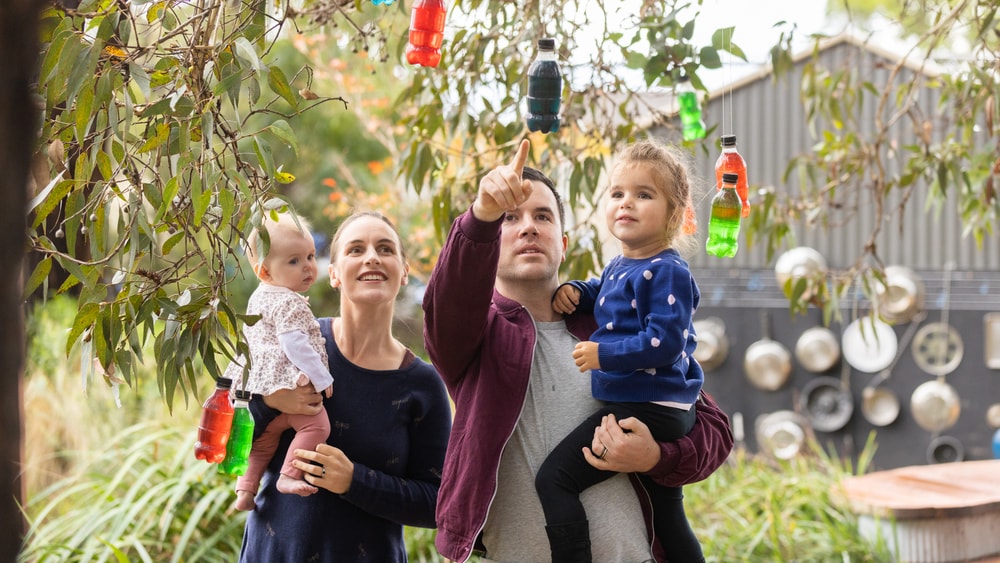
{"x":506,"y":358}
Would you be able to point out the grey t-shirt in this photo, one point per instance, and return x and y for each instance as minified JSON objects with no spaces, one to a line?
{"x":558,"y":399}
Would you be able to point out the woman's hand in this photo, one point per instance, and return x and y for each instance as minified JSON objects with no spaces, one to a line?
{"x":302,"y":400}
{"x":623,"y":447}
{"x":334,"y":472}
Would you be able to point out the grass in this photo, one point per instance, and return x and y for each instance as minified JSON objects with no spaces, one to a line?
{"x":121,"y":484}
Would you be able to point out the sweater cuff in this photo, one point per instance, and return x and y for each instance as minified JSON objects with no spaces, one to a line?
{"x":670,"y":457}
{"x":477,"y":230}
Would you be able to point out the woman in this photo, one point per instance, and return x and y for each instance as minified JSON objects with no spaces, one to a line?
{"x":389,"y":416}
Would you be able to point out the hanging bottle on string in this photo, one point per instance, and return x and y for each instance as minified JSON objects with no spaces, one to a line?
{"x":689,"y":107}
{"x":216,"y":422}
{"x":731,"y":161}
{"x":544,"y":89}
{"x":240,"y":436}
{"x":724,"y":224}
{"x":426,"y":32}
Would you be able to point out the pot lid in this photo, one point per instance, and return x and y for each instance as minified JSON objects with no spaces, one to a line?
{"x":826,"y":403}
{"x":869,"y":344}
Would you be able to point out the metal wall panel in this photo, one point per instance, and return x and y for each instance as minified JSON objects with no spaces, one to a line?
{"x":768,"y":118}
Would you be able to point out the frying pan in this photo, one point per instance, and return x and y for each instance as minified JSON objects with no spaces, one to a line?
{"x":880,"y":405}
{"x":767,"y":363}
{"x":827,"y":403}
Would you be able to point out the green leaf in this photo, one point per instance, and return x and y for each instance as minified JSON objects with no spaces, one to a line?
{"x":40,"y":274}
{"x":264,"y":155}
{"x":47,"y":201}
{"x":278,"y":84}
{"x":84,"y":319}
{"x":709,"y":58}
{"x":84,"y":111}
{"x":282,"y":130}
{"x":171,"y":242}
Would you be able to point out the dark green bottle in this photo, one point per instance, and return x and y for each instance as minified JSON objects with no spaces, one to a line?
{"x":240,"y":437}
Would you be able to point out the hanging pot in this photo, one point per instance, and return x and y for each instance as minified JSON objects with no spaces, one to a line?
{"x":713,"y":345}
{"x":902,"y":295}
{"x":935,"y":405}
{"x":767,"y":364}
{"x":869,"y":345}
{"x":826,"y":403}
{"x":781,"y":433}
{"x":817,"y":349}
{"x":945,"y":449}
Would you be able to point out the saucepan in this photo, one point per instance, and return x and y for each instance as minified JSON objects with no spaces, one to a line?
{"x":945,"y":449}
{"x":935,"y":405}
{"x":713,"y":345}
{"x":901,"y":297}
{"x":797,"y":263}
{"x":767,"y":364}
{"x":817,"y":349}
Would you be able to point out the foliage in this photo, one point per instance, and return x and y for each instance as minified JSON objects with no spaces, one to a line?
{"x":171,"y":128}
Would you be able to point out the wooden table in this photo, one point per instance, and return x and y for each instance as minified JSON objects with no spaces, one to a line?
{"x":939,"y":513}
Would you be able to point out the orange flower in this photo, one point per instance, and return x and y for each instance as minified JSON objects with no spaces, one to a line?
{"x":330,"y":183}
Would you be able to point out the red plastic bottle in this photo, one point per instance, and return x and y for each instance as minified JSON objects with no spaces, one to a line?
{"x":731,"y":162}
{"x":216,"y":421}
{"x":426,"y":32}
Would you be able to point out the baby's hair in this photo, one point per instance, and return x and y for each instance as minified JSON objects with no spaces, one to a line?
{"x":256,"y":249}
{"x":335,"y":242}
{"x":669,"y":168}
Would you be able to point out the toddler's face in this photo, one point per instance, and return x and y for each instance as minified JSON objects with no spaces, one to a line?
{"x":291,"y":260}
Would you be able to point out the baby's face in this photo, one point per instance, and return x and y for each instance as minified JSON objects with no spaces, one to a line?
{"x":291,"y":260}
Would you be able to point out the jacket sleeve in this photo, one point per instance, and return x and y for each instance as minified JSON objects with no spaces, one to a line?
{"x":696,"y":456}
{"x":458,"y":295}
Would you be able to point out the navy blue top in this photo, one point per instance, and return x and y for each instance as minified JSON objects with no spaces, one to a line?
{"x":393,"y":425}
{"x":645,"y":333}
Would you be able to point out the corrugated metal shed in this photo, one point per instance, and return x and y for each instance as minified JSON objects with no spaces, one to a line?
{"x":768,"y":117}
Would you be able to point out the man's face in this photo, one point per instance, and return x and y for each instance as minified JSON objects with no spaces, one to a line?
{"x":532,"y":244}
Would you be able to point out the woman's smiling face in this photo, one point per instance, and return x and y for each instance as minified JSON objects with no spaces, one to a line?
{"x":366,"y":261}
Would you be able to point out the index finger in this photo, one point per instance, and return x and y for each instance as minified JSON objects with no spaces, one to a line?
{"x":521,"y":157}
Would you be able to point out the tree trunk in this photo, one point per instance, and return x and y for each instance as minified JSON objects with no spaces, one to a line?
{"x":18,"y":130}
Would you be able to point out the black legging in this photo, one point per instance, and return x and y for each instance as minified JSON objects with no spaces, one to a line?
{"x":566,"y":473}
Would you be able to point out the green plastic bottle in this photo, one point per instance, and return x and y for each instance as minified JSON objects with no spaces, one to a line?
{"x":724,"y":225}
{"x":692,"y":126}
{"x":240,"y":437}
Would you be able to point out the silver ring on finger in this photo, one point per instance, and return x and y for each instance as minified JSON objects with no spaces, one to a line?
{"x":604,"y":453}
